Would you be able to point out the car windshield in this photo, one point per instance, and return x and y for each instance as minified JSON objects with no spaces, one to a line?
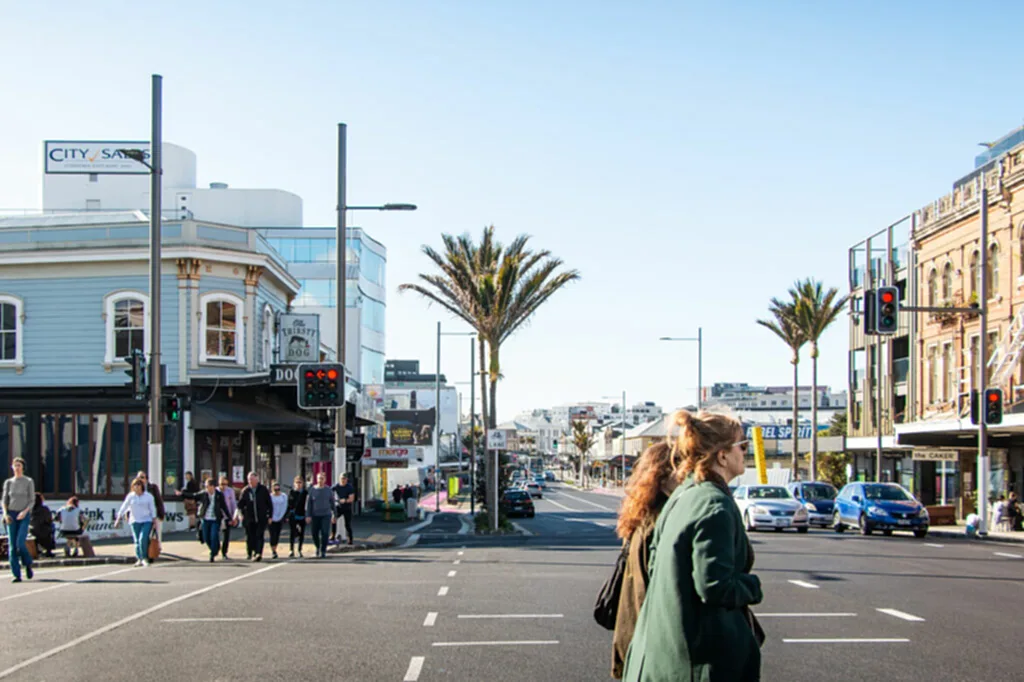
{"x":769,"y":493}
{"x":516,"y":495}
{"x":886,"y":492}
{"x":819,"y":492}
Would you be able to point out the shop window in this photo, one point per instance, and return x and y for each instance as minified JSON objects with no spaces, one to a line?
{"x":127,"y":323}
{"x":933,"y":287}
{"x":223,"y":328}
{"x":11,"y":325}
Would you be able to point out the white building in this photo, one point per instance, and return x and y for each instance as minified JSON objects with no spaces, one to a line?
{"x":774,"y":404}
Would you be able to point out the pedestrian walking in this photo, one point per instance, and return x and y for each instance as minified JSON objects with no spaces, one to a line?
{"x":255,"y":508}
{"x":192,"y":490}
{"x":345,"y":495}
{"x":18,"y":497}
{"x":1013,"y":512}
{"x":279,"y":509}
{"x":652,"y":481}
{"x":297,"y":514}
{"x":319,"y":510}
{"x":212,"y":511}
{"x":71,"y":527}
{"x":695,"y":624}
{"x":141,"y":506}
{"x":232,"y":503}
{"x":158,"y":497}
{"x":40,"y":527}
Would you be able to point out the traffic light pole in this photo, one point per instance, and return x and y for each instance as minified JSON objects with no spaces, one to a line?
{"x":983,"y":464}
{"x":340,"y":305}
{"x":156,"y":420}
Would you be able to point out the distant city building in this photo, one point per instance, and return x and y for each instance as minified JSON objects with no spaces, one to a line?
{"x":774,"y":404}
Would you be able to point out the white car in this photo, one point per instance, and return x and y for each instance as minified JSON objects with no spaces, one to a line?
{"x":770,"y":506}
{"x":533,"y":489}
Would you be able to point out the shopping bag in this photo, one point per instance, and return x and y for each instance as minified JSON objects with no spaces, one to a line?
{"x":154,"y":546}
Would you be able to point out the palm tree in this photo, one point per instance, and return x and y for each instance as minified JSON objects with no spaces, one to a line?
{"x":817,"y":311}
{"x":583,"y":439}
{"x":786,"y":326}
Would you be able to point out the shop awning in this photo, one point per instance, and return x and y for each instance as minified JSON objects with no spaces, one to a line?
{"x":230,"y":416}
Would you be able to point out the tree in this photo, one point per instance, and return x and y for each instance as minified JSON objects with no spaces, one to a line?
{"x":583,"y":439}
{"x":832,"y":468}
{"x":816,"y":311}
{"x":837,"y":425}
{"x":495,"y":289}
{"x":786,"y":326}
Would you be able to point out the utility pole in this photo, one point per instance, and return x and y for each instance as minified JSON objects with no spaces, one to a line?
{"x":472,"y":426}
{"x":437,"y":424}
{"x":983,"y":463}
{"x":155,"y":464}
{"x":340,"y":307}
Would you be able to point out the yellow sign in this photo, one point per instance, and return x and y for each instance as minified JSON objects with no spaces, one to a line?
{"x":759,"y":461}
{"x":453,"y":486}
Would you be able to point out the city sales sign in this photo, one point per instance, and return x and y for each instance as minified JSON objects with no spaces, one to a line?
{"x":87,"y":157}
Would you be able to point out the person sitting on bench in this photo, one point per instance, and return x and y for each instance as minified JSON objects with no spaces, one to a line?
{"x":71,"y":526}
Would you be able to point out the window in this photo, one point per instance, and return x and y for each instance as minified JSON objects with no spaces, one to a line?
{"x":11,"y":330}
{"x":223,"y":328}
{"x":127,"y":321}
{"x":933,"y":287}
{"x":268,"y":336}
{"x":949,"y":371}
{"x":947,"y":283}
{"x":993,"y":270}
{"x":933,"y":374}
{"x":974,"y":274}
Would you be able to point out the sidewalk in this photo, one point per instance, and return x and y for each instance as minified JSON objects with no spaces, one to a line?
{"x":370,"y":530}
{"x":960,"y":531}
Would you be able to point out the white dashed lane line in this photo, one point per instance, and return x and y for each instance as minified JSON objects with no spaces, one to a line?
{"x":443,"y":591}
{"x":415,"y":666}
{"x":451,"y":574}
{"x":431,"y":618}
{"x":901,"y":614}
{"x":592,"y":504}
{"x":933,"y":544}
{"x":1008,"y":556}
{"x":804,"y":583}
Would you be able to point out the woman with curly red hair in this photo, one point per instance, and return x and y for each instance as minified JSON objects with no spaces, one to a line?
{"x":695,"y":624}
{"x":649,"y":487}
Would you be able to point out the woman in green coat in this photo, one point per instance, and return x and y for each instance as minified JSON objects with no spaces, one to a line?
{"x":695,"y":624}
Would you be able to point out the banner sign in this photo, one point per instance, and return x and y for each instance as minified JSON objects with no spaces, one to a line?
{"x":410,"y":427}
{"x":388,"y":458}
{"x":782,"y":431}
{"x":88,"y":157}
{"x":101,"y":514}
{"x":354,"y":446}
{"x":298,"y":337}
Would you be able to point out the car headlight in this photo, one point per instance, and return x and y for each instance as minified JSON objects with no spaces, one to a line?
{"x":876,"y":511}
{"x":810,"y":507}
{"x":758,"y":510}
{"x":800,"y":514}
{"x":923,"y":514}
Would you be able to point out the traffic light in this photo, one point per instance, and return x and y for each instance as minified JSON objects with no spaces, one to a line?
{"x":974,"y":407}
{"x":172,"y":408}
{"x":137,"y":375}
{"x":887,"y":308}
{"x":868,"y":311}
{"x":320,"y":385}
{"x":993,"y":406}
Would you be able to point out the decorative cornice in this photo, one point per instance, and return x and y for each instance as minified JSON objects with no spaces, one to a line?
{"x":253,"y":274}
{"x":188,"y":268}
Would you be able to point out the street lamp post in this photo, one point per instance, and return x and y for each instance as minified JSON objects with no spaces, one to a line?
{"x":700,"y":359}
{"x":340,"y":274}
{"x":437,"y":409}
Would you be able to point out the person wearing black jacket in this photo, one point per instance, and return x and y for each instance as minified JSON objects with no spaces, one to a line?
{"x":297,"y":514}
{"x":191,"y":487}
{"x":255,"y":507}
{"x":212,"y":511}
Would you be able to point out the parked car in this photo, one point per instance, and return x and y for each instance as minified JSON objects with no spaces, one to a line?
{"x":818,"y":498}
{"x":549,"y":475}
{"x":534,"y":489}
{"x":770,"y":506}
{"x":879,"y":506}
{"x":519,"y":502}
{"x":539,"y":480}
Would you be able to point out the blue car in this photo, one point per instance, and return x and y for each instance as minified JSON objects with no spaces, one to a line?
{"x":879,"y":506}
{"x":819,"y":500}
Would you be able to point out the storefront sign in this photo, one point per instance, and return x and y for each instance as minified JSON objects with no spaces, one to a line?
{"x":71,"y":157}
{"x":101,"y":515}
{"x":354,"y":446}
{"x":410,"y":427}
{"x":299,"y":338}
{"x":935,"y":455}
{"x":782,"y":431}
{"x":238,"y":474}
{"x":390,"y":458}
{"x":284,"y":375}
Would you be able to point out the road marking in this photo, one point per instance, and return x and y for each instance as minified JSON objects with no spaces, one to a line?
{"x":415,"y":666}
{"x":457,"y":562}
{"x":847,"y":640}
{"x":933,"y":544}
{"x":521,"y":529}
{"x":512,"y":615}
{"x":451,"y":574}
{"x":428,"y":519}
{"x":461,"y":553}
{"x":431,"y":618}
{"x":413,"y":539}
{"x":525,"y":642}
{"x":443,"y":591}
{"x":562,"y":506}
{"x":128,"y":619}
{"x":19,"y":595}
{"x":464,"y":526}
{"x":805,"y":615}
{"x":592,"y":504}
{"x":901,"y":614}
{"x":209,"y":620}
{"x":1009,"y":556}
{"x":804,"y":583}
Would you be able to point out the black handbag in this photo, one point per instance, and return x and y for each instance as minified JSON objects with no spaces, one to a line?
{"x":606,"y":608}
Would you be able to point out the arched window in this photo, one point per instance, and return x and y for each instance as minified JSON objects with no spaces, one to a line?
{"x":223,"y":328}
{"x":933,"y":287}
{"x":11,"y":328}
{"x":126,"y":314}
{"x":947,"y":283}
{"x":267,"y":338}
{"x":993,"y":270}
{"x":974,"y":274}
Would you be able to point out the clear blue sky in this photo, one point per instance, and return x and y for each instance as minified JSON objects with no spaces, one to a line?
{"x":690,"y":159}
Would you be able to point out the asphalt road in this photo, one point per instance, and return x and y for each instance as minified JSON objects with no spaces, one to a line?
{"x":510,"y":609}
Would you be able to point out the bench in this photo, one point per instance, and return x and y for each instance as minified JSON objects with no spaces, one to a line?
{"x":942,"y":515}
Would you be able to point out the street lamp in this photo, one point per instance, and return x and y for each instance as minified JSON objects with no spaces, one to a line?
{"x":437,"y":409}
{"x":700,"y":359}
{"x":609,"y":397}
{"x":340,"y":286}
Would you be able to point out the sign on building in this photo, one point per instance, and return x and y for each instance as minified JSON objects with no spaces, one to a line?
{"x":298,"y":337}
{"x":782,"y":431}
{"x":935,"y":455}
{"x":390,"y":458}
{"x":497,"y":440}
{"x":410,"y":427}
{"x":71,"y":157}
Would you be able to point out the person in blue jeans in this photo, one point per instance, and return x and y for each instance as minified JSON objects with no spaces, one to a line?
{"x":141,"y":505}
{"x":18,"y":497}
{"x":319,"y":510}
{"x":212,"y":510}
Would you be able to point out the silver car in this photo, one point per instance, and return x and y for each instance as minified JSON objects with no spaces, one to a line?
{"x":770,"y":506}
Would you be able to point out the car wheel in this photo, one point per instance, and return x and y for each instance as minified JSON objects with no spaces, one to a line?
{"x":531,"y":515}
{"x":837,"y":523}
{"x":921,"y":533}
{"x":887,"y":533}
{"x":865,"y":529}
{"x":746,"y":521}
{"x":802,"y":529}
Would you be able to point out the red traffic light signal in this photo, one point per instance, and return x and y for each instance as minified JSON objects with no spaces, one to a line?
{"x":318,"y":388}
{"x":887,"y":296}
{"x":993,"y":406}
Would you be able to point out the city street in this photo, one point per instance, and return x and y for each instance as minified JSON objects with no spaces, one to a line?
{"x":840,"y":606}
